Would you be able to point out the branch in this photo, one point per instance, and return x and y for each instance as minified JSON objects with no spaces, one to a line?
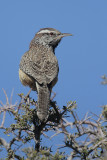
{"x":4,"y":143}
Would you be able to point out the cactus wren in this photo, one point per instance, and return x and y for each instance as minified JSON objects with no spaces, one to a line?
{"x":39,"y":67}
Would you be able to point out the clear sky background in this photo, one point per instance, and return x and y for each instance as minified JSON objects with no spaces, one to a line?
{"x":82,"y":58}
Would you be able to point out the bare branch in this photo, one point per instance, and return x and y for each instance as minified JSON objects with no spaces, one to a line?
{"x":4,"y":143}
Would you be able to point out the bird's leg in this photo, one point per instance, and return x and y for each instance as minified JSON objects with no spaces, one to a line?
{"x":27,"y":96}
{"x":54,"y":94}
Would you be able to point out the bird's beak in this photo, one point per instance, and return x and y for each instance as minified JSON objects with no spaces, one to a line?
{"x":63,"y":35}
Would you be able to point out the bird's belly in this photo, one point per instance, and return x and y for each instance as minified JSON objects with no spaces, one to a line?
{"x":27,"y":80}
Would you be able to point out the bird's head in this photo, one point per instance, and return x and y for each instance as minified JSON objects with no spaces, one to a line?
{"x":50,"y":37}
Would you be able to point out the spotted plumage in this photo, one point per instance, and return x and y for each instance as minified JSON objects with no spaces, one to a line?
{"x":39,"y":67}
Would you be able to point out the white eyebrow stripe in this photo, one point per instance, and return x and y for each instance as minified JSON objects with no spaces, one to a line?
{"x":45,"y":31}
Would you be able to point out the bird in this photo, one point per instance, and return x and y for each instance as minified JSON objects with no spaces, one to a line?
{"x":39,"y":67}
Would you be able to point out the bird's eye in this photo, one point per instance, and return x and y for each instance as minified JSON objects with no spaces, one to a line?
{"x":51,"y":33}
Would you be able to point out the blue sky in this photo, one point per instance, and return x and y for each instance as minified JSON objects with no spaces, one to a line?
{"x":82,"y":58}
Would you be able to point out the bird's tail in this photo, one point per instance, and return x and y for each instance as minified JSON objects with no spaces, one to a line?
{"x":43,"y":101}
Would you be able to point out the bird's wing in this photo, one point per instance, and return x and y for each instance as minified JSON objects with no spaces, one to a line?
{"x":41,"y":64}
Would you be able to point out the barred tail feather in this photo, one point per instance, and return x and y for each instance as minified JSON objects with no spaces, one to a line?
{"x":43,"y":101}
